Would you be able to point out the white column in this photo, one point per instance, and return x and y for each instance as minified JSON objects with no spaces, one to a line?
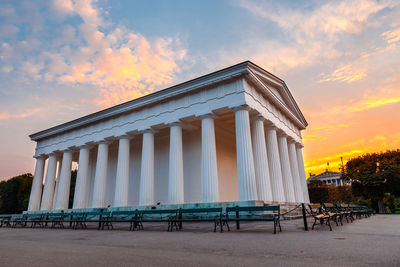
{"x":244,"y":155}
{"x":48,"y":190}
{"x":275,"y":169}
{"x":57,"y":180}
{"x":100,"y":177}
{"x":298,"y":188}
{"x":302,"y":173}
{"x":264,"y":191}
{"x":65,"y":181}
{"x":122,"y":178}
{"x":36,"y":191}
{"x":175,"y":179}
{"x":285,"y":166}
{"x":146,"y":194}
{"x":209,"y":169}
{"x":82,"y":178}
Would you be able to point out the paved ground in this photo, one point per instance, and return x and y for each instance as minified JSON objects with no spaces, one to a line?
{"x":372,"y":241}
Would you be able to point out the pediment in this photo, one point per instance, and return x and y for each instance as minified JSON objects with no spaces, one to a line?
{"x":279,"y":90}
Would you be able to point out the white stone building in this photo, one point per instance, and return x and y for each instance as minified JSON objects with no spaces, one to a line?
{"x":329,"y":178}
{"x":232,"y":135}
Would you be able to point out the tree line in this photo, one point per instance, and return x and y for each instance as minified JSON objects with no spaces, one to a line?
{"x":375,"y":181}
{"x":15,"y":192}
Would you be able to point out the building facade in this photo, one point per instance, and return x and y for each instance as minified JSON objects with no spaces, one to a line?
{"x":329,"y":178}
{"x":232,"y":135}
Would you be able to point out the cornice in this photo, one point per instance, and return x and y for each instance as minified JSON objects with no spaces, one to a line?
{"x":151,"y":99}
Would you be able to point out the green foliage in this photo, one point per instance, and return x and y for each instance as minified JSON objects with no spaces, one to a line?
{"x":14,"y":194}
{"x":374,"y":175}
{"x":390,"y":202}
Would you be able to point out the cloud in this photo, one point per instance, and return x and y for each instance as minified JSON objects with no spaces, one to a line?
{"x":121,"y":63}
{"x":323,"y":132}
{"x":392,"y":36}
{"x":346,"y":73}
{"x":315,"y":33}
{"x":374,"y":103}
{"x":20,"y":115}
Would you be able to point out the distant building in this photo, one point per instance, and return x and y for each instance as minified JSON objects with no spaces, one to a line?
{"x":328,"y":177}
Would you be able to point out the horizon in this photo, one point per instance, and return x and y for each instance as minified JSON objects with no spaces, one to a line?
{"x":62,"y":60}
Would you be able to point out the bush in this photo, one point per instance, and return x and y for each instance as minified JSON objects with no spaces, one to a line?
{"x":319,"y":192}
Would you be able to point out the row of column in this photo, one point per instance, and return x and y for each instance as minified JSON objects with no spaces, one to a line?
{"x":269,"y":168}
{"x":272,"y":170}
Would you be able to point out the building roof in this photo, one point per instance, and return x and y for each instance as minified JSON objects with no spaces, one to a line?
{"x":325,"y":174}
{"x":256,"y":73}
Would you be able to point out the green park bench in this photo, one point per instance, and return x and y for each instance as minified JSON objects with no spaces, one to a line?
{"x":319,"y":216}
{"x":334,"y":213}
{"x":198,"y":215}
{"x":5,"y":220}
{"x":251,"y":214}
{"x":80,"y":219}
{"x":155,"y":215}
{"x":56,"y":219}
{"x":131,"y":216}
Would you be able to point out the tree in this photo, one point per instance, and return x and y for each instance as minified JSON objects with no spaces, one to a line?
{"x":318,"y":192}
{"x":14,"y":194}
{"x":373,"y":175}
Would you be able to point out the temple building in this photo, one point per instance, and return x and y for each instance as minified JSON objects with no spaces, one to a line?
{"x":233,"y":135}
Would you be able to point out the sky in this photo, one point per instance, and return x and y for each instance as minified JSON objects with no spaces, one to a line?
{"x":63,"y":59}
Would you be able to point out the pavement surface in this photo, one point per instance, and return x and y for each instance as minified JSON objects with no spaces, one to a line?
{"x":373,"y":241}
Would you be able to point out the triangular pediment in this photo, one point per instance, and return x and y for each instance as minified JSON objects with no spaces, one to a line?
{"x":279,"y":90}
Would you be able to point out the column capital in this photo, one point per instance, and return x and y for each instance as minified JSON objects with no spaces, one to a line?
{"x":89,"y":146}
{"x":52,"y":154}
{"x":282,"y":134}
{"x":271,"y":125}
{"x":242,"y":107}
{"x":107,"y":142}
{"x":259,"y":117}
{"x":175,"y":123}
{"x":208,"y":116}
{"x":41,"y":156}
{"x":125,"y":136}
{"x":299,"y":145}
{"x":149,"y":130}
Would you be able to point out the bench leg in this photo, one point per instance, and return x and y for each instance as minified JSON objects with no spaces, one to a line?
{"x":315,"y":222}
{"x":274,"y":227}
{"x":329,"y":224}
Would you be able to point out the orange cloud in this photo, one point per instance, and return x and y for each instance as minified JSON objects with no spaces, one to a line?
{"x":375,"y":103}
{"x":347,"y":74}
{"x":392,"y":36}
{"x":20,"y":115}
{"x":124,"y":65}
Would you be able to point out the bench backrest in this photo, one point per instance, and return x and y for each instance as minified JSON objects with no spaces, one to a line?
{"x":274,"y":208}
{"x":155,"y":212}
{"x":200,"y":210}
{"x":124,"y":212}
